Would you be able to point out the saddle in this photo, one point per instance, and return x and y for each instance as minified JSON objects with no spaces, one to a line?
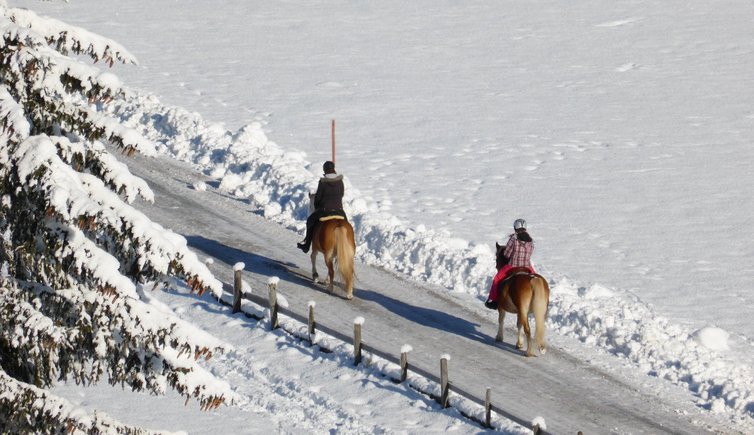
{"x":331,"y":217}
{"x":516,"y":271}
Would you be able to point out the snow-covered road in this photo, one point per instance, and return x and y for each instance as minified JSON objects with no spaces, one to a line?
{"x":571,"y":393}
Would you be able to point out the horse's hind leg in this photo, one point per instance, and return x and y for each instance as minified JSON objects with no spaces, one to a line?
{"x":315,"y":275}
{"x":330,"y":272}
{"x":500,"y":319}
{"x":539,"y":308}
{"x":523,"y":320}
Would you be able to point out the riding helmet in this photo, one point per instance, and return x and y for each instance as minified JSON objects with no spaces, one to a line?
{"x":519,"y":224}
{"x":328,"y":167}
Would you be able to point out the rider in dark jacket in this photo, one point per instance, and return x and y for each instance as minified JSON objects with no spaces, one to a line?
{"x":328,"y":201}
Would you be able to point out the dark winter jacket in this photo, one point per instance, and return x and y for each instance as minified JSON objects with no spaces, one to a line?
{"x":329,"y":194}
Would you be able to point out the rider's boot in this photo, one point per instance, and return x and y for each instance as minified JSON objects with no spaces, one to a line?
{"x":304,"y":245}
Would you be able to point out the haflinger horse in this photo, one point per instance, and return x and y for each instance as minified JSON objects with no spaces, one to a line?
{"x":525,"y":293}
{"x":333,"y":237}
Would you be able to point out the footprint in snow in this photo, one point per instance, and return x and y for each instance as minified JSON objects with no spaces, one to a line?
{"x":330,"y":85}
{"x":618,"y":23}
{"x":315,"y":389}
{"x":627,"y":67}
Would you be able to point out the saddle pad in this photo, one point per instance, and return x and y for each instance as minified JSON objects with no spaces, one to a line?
{"x":329,"y":218}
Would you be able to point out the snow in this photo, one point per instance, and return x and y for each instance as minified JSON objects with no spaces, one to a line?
{"x":540,"y":423}
{"x":245,"y":287}
{"x":8,"y":109}
{"x":712,"y":338}
{"x":621,"y":134}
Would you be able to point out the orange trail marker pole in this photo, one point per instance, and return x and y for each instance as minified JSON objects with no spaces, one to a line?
{"x":332,"y":134}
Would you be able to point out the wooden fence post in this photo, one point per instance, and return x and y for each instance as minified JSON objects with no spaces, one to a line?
{"x":357,"y":340}
{"x":404,"y":361}
{"x":538,"y":425}
{"x":444,"y":382}
{"x":311,"y":324}
{"x":488,"y":408}
{"x":273,"y":298}
{"x":237,"y":287}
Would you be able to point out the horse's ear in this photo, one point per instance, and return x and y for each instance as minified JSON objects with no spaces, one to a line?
{"x":497,"y":246}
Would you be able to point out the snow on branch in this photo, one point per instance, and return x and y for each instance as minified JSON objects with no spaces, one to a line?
{"x":67,"y":38}
{"x":94,"y":157}
{"x":31,"y":337}
{"x":58,"y":89}
{"x":83,"y":198}
{"x":168,"y":348}
{"x":110,"y":335}
{"x":25,"y":408}
{"x":89,"y":260}
{"x":12,"y":117}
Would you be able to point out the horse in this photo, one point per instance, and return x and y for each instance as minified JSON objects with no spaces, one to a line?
{"x":333,"y":237}
{"x":526,"y":293}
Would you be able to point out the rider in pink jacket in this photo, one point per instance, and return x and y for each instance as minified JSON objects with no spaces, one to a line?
{"x":518,"y":251}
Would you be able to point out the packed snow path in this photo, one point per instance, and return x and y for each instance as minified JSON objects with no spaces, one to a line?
{"x":571,"y":394}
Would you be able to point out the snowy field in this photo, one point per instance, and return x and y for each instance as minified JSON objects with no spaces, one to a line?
{"x":621,"y":134}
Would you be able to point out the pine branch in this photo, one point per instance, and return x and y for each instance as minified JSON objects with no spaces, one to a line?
{"x":55,"y":90}
{"x":67,"y":39}
{"x":94,"y":158}
{"x":28,"y":409}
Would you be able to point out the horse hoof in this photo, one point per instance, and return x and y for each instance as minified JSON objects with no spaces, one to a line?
{"x":542,"y":350}
{"x":349,"y":297}
{"x":499,"y":339}
{"x":519,"y":346}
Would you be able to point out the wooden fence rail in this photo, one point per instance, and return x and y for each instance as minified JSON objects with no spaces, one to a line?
{"x":360,"y":346}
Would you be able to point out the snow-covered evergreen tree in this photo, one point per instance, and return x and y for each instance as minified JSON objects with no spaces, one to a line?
{"x":75,"y":257}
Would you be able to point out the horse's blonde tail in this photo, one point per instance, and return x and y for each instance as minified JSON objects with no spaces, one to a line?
{"x":345,"y":251}
{"x":539,"y":307}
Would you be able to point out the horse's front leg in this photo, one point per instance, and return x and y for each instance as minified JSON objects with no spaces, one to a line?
{"x":500,"y":319}
{"x":315,"y":275}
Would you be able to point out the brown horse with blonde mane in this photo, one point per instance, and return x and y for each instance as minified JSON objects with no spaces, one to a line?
{"x":333,"y":237}
{"x":523,"y":292}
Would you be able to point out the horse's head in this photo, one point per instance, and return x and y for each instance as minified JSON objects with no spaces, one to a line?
{"x":500,"y":259}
